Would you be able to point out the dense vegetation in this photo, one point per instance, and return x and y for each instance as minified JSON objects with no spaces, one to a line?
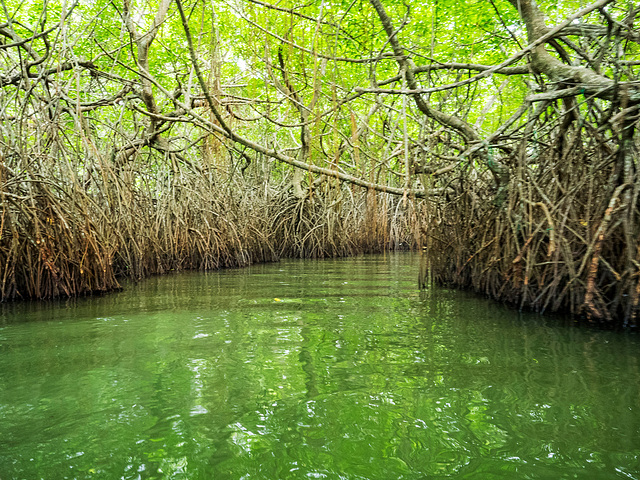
{"x":140,"y":137}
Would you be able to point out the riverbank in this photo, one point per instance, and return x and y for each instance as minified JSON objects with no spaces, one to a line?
{"x":73,"y":241}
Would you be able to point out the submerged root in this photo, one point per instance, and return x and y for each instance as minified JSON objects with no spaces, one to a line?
{"x":566,"y":239}
{"x":59,"y":239}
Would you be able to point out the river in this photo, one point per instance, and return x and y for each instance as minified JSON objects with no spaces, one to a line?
{"x":337,"y":369}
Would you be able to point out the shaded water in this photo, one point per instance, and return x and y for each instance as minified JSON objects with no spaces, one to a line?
{"x":311,"y":369}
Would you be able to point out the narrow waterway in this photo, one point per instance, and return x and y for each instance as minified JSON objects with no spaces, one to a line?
{"x":337,"y":369}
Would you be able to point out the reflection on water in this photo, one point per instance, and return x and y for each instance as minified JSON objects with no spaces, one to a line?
{"x":311,"y":369}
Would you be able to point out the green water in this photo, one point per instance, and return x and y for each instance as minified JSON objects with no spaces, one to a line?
{"x":335,"y":369}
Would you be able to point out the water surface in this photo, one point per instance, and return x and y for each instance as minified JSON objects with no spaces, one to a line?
{"x":334,"y":369}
